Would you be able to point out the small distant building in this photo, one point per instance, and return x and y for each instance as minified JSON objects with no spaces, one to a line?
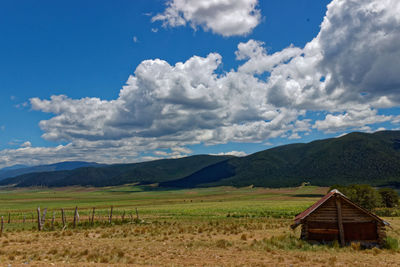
{"x":335,"y":217}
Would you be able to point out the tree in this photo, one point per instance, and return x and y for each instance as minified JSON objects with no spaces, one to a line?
{"x":390,"y":198}
{"x":364,"y":195}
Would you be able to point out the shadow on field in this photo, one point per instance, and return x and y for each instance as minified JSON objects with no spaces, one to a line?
{"x":143,"y":188}
{"x":307,"y":195}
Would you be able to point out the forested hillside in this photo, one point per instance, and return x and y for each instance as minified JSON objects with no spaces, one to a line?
{"x":354,"y":158}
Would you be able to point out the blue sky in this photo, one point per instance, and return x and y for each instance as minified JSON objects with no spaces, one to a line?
{"x":87,"y":50}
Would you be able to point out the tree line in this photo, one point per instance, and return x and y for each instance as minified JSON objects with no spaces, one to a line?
{"x":368,"y":197}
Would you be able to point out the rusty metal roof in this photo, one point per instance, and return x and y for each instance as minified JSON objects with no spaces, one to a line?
{"x":308,"y":211}
{"x":301,"y":216}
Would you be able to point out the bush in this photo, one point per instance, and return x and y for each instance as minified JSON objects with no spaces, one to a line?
{"x":388,"y":212}
{"x":391,"y":243}
{"x":390,"y":198}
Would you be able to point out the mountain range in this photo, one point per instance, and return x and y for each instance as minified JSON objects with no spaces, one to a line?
{"x":368,"y":158}
{"x":19,"y":169}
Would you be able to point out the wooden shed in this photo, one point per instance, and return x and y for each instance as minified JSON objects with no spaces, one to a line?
{"x":335,"y":217}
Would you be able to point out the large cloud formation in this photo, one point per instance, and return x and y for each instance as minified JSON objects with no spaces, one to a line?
{"x":222,"y":17}
{"x":348,"y":71}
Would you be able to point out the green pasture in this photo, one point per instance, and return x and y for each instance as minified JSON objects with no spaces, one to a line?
{"x":200,"y":203}
{"x":218,"y":201}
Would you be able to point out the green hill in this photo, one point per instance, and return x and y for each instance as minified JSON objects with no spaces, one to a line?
{"x":144,"y":173}
{"x":61,"y":166}
{"x":354,"y":158}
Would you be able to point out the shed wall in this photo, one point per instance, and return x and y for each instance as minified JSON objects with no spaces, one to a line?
{"x":322,"y":224}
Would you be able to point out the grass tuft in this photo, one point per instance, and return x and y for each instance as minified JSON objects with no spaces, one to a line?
{"x":222,"y":243}
{"x":355,"y":246}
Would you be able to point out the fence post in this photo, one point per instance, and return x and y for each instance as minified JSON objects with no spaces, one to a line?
{"x":93,"y":214}
{"x":24,"y":218}
{"x":111,"y":212}
{"x":63,"y":217}
{"x":2,"y":226}
{"x":9,"y":218}
{"x":137,"y":214}
{"x":38,"y":219}
{"x":75,"y":216}
{"x":52,"y":220}
{"x":43,"y":217}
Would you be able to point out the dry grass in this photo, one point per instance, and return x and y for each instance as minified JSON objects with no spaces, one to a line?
{"x":172,"y":242}
{"x":205,"y":227}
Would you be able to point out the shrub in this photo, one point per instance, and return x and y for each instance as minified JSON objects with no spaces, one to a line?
{"x":388,"y":212}
{"x":391,"y":243}
{"x":390,"y":198}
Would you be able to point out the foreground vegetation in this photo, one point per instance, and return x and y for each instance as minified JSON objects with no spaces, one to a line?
{"x":202,"y":227}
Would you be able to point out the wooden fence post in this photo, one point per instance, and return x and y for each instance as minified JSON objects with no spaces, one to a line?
{"x":52,"y":220}
{"x":2,"y":226}
{"x":93,"y":214}
{"x":75,"y":216}
{"x":62,"y":217}
{"x":43,"y":217}
{"x":131,"y":216}
{"x":111,"y":212}
{"x":38,"y":219}
{"x":137,"y":214}
{"x":9,"y":218}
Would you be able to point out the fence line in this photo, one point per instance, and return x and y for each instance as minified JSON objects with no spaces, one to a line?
{"x":60,"y":216}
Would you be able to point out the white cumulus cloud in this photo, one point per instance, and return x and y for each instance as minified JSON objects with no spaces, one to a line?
{"x":349,"y":71}
{"x":26,"y":144}
{"x":232,"y":153}
{"x":350,"y":119}
{"x":224,"y":17}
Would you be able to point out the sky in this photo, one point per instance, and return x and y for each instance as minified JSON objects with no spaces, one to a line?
{"x":130,"y":81}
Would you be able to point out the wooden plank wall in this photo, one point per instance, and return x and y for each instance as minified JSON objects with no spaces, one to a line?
{"x":322,"y":224}
{"x":326,"y":213}
{"x":352,"y":214}
{"x":381,"y":234}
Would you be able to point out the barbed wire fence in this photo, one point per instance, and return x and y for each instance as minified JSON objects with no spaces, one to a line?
{"x":62,"y":218}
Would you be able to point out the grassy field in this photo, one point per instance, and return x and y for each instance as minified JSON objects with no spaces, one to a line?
{"x":204,"y":203}
{"x":221,"y":226}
